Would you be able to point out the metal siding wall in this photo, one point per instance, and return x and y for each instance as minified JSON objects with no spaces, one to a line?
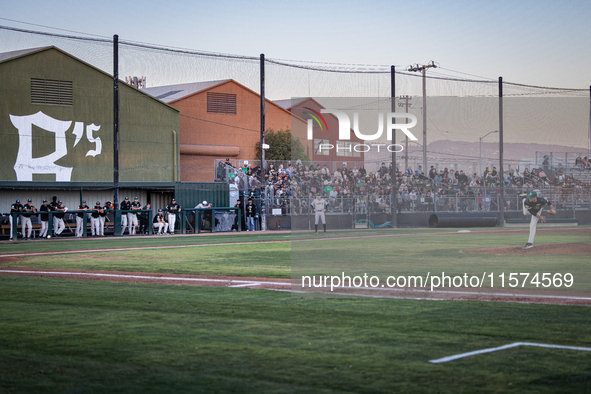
{"x":190,"y":195}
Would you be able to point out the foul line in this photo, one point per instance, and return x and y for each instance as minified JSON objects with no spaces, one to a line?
{"x":512,"y":345}
{"x":242,"y":282}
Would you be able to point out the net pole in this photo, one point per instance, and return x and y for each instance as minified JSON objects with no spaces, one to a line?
{"x":502,"y":172}
{"x":116,"y":120}
{"x":263,"y":183}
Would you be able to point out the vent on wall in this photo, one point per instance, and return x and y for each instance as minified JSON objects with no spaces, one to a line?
{"x":47,"y":91}
{"x":221,"y":103}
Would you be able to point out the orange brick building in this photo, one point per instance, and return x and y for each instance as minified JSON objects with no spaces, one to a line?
{"x":218,"y":120}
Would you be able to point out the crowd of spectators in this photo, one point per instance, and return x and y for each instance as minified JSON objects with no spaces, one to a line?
{"x":354,"y":189}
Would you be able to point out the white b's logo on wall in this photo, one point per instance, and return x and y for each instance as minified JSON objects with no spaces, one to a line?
{"x":26,"y":165}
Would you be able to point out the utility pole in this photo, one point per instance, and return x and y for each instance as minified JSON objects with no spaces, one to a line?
{"x":423,"y":69}
{"x":406,"y":98}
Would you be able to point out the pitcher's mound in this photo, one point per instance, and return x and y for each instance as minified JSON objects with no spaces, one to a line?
{"x":542,"y":249}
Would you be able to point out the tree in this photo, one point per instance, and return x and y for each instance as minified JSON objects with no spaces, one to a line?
{"x":282,"y":146}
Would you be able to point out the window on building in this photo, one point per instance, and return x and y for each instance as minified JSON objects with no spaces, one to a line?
{"x":344,"y":148}
{"x":51,"y":92}
{"x":221,"y":103}
{"x":317,"y":151}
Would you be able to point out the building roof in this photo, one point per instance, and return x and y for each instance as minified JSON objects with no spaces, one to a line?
{"x":10,"y":55}
{"x":169,"y":93}
{"x":288,"y":103}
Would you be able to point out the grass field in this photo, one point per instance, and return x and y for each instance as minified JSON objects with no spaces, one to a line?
{"x":65,"y":335}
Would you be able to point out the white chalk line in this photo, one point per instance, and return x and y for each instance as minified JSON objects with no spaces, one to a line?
{"x":247,"y":283}
{"x":242,"y":282}
{"x":512,"y":345}
{"x":246,"y":243}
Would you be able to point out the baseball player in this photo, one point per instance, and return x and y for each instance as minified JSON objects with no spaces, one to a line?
{"x":95,"y":221}
{"x":16,"y":207}
{"x":59,"y":218}
{"x":28,"y":211}
{"x":103,"y":217}
{"x":44,"y":208}
{"x":319,"y":206}
{"x":160,"y":223}
{"x":533,"y":205}
{"x":133,"y":222}
{"x":125,"y":206}
{"x":172,"y":209}
{"x":80,"y":223}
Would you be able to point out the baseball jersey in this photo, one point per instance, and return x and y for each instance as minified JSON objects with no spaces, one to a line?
{"x":319,"y":205}
{"x":82,"y":208}
{"x":158,"y":218}
{"x":45,"y":208}
{"x":136,"y":205}
{"x":61,"y":211}
{"x":173,"y":208}
{"x":28,"y":210}
{"x":104,"y":212}
{"x":95,"y":209}
{"x":534,"y":207}
{"x":125,"y":205}
{"x":16,"y":207}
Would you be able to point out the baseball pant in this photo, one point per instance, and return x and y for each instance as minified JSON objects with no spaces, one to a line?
{"x":320,"y":215}
{"x":162,"y":227}
{"x":171,"y":220}
{"x":60,"y":226}
{"x":11,"y":228}
{"x":123,"y":222}
{"x":94,"y":226}
{"x":79,"y":226}
{"x":44,"y":228}
{"x":532,"y":227}
{"x":132,"y":219}
{"x":102,"y":225}
{"x":26,"y":222}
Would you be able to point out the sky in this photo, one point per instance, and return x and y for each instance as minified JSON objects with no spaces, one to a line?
{"x":532,"y":42}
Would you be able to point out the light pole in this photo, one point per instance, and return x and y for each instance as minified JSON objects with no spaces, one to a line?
{"x":480,"y":165}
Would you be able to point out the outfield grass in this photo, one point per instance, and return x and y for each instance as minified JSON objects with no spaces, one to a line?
{"x":75,"y":336}
{"x":66,"y":335}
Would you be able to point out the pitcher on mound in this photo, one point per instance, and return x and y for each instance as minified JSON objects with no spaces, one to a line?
{"x":533,"y":205}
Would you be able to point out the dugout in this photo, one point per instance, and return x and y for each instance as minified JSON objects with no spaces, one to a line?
{"x":479,"y":219}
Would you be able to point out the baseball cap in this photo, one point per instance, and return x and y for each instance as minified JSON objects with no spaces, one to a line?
{"x":160,"y":210}
{"x":126,"y":198}
{"x":83,"y":201}
{"x":18,"y":200}
{"x":174,"y":199}
{"x":532,"y":194}
{"x":135,"y":198}
{"x":29,"y":200}
{"x":44,"y":200}
{"x":204,"y":202}
{"x":59,"y":202}
{"x":98,"y":203}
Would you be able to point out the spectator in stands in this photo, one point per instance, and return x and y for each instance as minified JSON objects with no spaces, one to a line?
{"x":220,"y":172}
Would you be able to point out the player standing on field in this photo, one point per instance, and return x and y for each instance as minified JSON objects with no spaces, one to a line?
{"x":16,"y":207}
{"x":125,"y":206}
{"x":133,"y":222}
{"x":319,"y":206}
{"x":532,"y":205}
{"x":44,"y":208}
{"x":172,"y":209}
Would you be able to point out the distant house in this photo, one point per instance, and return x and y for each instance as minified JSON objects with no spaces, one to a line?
{"x":219,"y":119}
{"x":326,"y":143}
